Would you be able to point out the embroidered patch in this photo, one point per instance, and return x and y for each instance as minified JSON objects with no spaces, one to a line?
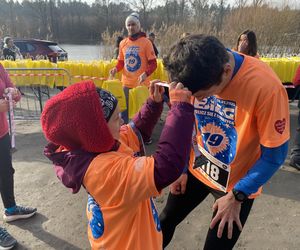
{"x":280,"y":126}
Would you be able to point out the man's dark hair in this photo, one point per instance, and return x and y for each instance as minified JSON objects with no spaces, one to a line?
{"x":197,"y":61}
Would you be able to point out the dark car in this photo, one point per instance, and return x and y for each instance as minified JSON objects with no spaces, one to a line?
{"x":37,"y":49}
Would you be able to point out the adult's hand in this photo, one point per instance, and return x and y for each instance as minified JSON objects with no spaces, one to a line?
{"x":156,"y":91}
{"x":228,"y":211}
{"x":179,"y":186}
{"x":113,"y":72}
{"x":15,"y":93}
{"x":142,"y":78}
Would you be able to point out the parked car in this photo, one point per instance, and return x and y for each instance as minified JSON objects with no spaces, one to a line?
{"x":38,"y":49}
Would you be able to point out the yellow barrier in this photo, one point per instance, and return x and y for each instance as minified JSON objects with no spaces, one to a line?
{"x":285,"y":68}
{"x":115,"y":87}
{"x":137,"y":97}
{"x":98,"y":71}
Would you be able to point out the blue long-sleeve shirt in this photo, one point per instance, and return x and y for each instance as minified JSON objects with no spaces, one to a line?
{"x":264,"y":168}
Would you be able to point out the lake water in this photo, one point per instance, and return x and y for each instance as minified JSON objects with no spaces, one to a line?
{"x":84,"y":52}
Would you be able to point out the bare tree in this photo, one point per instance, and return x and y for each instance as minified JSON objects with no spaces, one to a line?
{"x":144,"y":7}
{"x":199,"y":7}
{"x":241,"y":3}
{"x":257,"y":3}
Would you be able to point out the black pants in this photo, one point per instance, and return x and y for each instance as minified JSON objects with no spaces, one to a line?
{"x":179,"y":206}
{"x":125,"y":113}
{"x":6,"y":173}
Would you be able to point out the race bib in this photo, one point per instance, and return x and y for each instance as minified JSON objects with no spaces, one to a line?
{"x":214,"y":170}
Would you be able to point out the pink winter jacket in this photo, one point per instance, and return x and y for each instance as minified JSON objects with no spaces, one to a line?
{"x":5,"y":82}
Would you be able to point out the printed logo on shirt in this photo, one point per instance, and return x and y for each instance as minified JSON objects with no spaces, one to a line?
{"x":132,"y":59}
{"x":155,"y":215}
{"x":216,"y":120}
{"x":139,"y":164}
{"x":280,"y":125}
{"x":96,"y":223}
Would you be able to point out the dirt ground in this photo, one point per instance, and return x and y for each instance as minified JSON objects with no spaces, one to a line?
{"x":61,"y":222}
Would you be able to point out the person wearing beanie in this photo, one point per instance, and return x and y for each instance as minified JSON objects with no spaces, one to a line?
{"x":240,"y":140}
{"x":136,"y":58}
{"x":94,"y":151}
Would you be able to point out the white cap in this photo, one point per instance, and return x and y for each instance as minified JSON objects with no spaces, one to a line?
{"x":133,"y":17}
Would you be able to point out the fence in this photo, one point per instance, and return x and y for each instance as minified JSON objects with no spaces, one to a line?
{"x":36,"y":86}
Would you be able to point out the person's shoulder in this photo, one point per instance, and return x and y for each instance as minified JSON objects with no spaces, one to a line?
{"x":144,"y":39}
{"x":258,"y":77}
{"x":124,"y":42}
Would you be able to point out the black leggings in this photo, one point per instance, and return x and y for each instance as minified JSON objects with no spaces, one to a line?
{"x":6,"y":173}
{"x":179,"y":206}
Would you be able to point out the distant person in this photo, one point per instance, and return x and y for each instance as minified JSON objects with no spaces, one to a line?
{"x":151,"y":37}
{"x":12,"y":211}
{"x":10,"y":50}
{"x":247,"y":44}
{"x":136,"y":58}
{"x":185,"y":34}
{"x":94,"y":150}
{"x":295,"y":152}
{"x":240,"y":140}
{"x":117,"y":46}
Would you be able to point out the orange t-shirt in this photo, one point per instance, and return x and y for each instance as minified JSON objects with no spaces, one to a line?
{"x":251,"y":111}
{"x":122,"y":186}
{"x":135,"y":55}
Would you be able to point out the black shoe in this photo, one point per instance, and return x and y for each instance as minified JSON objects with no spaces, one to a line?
{"x":6,"y":240}
{"x":295,"y":165}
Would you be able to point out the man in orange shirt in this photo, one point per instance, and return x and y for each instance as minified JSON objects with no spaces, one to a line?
{"x":240,"y":139}
{"x":136,"y":58}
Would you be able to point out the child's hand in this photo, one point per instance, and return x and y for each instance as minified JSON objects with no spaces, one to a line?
{"x":179,"y":93}
{"x":156,"y":91}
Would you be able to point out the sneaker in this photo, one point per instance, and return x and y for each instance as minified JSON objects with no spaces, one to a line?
{"x":6,"y":240}
{"x":149,"y":142}
{"x":19,"y":213}
{"x":295,"y":165}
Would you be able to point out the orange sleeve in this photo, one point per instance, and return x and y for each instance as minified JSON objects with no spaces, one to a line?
{"x":121,"y":53}
{"x":273,"y":119}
